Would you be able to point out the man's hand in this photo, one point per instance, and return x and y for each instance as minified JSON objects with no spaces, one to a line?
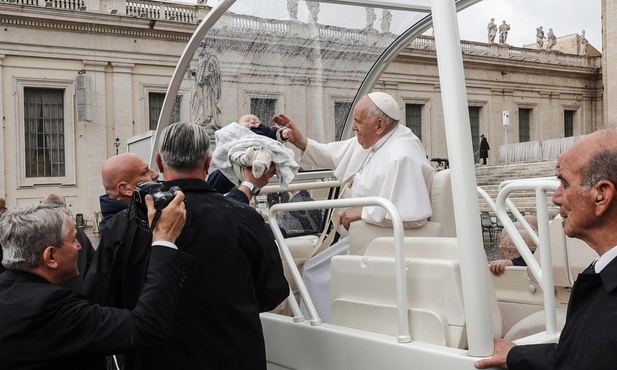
{"x":297,"y":138}
{"x":263,"y":180}
{"x":172,"y":219}
{"x":350,"y":215}
{"x":502,"y":348}
{"x":499,"y":267}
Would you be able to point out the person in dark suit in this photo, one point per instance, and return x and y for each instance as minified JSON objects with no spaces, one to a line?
{"x":236,"y":275}
{"x":484,"y":148}
{"x":587,"y":200}
{"x":47,"y":326}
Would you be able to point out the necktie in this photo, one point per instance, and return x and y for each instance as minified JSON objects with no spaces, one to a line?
{"x":591,"y":269}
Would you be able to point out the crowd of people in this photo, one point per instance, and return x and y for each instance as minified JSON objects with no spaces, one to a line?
{"x":182,"y":285}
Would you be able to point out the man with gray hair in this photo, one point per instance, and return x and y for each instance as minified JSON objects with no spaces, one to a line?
{"x":86,"y":253}
{"x":385,"y":159}
{"x":46,"y":326}
{"x":236,"y":275}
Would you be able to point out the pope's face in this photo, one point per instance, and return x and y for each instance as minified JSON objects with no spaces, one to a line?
{"x":365,"y":128}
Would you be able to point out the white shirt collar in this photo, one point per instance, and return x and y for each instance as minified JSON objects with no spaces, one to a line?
{"x":605,"y":259}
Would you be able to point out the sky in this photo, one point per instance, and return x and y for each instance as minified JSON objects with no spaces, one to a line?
{"x":565,"y":17}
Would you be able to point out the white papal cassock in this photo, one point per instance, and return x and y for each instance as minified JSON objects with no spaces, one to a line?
{"x":395,"y":168}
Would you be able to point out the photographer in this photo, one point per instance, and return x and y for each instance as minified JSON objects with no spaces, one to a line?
{"x":237,"y":273}
{"x":46,"y":326}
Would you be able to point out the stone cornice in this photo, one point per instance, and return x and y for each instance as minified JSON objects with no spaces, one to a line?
{"x":102,"y":24}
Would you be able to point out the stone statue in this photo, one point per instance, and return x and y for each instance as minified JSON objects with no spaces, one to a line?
{"x":292,"y":9}
{"x":551,"y":39}
{"x":503,"y":32}
{"x":371,"y":16}
{"x":540,"y":37}
{"x":207,"y":93}
{"x":583,"y":48}
{"x":313,"y":8}
{"x":386,"y":20}
{"x":492,"y":31}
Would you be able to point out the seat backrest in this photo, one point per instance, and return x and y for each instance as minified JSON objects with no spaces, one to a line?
{"x":486,"y":219}
{"x":580,"y":254}
{"x":441,"y":223}
{"x":442,"y":202}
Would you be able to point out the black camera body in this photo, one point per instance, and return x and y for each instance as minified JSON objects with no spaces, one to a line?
{"x":161,"y":198}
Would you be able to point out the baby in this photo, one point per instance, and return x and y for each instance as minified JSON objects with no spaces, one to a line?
{"x":257,"y":157}
{"x":249,"y":143}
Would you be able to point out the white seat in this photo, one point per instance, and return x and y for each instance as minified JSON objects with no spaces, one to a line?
{"x":363,"y":291}
{"x":441,"y":223}
{"x":579,"y":255}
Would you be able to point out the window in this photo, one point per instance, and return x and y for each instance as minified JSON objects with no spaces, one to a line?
{"x":474,"y":121}
{"x":341,"y":110}
{"x":155,"y":106}
{"x":568,"y":123}
{"x":44,"y":137}
{"x":413,"y":118}
{"x":265,"y":109}
{"x":523,"y":125}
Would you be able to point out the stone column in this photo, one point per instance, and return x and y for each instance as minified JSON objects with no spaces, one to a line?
{"x":96,"y":135}
{"x":121,"y":125}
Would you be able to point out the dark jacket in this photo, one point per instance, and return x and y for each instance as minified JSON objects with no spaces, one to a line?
{"x":589,"y":337}
{"x":49,"y":327}
{"x":109,"y":208}
{"x":484,"y":148}
{"x":117,"y":271}
{"x":237,"y":274}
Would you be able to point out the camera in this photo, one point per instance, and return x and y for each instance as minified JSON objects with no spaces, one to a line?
{"x":161,"y":198}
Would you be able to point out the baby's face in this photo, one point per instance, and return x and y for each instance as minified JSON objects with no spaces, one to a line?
{"x":249,"y":121}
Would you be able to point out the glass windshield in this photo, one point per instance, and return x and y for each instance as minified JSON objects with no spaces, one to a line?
{"x":306,"y":59}
{"x":302,"y":58}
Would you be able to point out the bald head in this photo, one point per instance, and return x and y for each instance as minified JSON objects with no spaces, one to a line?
{"x":122,"y":172}
{"x":587,"y":196}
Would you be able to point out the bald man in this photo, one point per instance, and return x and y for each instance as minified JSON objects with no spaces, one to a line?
{"x":121,"y":173}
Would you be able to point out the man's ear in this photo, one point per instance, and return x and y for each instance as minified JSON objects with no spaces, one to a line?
{"x":207,"y":165}
{"x":49,"y":260}
{"x":380,"y":126}
{"x":124,"y":189}
{"x":159,"y":162}
{"x":604,"y":193}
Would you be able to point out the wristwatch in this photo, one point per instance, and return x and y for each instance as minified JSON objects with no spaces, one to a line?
{"x":254,"y":189}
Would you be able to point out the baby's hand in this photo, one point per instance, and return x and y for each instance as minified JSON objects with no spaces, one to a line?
{"x":286,"y":133}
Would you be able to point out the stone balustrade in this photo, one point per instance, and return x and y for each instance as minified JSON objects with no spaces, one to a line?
{"x":514,"y":53}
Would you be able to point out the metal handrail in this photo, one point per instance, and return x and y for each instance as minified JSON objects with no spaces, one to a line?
{"x":399,"y":253}
{"x":544,"y":274}
{"x":517,"y":214}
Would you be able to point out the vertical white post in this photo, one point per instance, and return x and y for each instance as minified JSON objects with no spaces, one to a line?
{"x":474,"y":270}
